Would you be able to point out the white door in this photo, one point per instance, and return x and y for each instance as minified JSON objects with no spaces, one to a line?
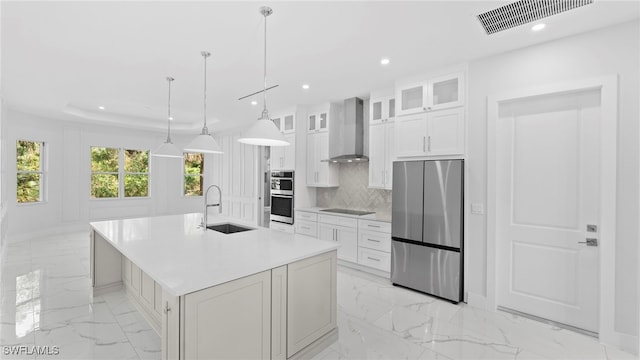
{"x":547,"y":195}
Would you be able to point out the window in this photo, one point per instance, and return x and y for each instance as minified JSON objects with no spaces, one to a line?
{"x":193,"y":178}
{"x":30,"y":171}
{"x":119,"y":171}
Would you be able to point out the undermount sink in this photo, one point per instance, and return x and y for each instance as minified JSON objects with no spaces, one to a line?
{"x":228,"y":228}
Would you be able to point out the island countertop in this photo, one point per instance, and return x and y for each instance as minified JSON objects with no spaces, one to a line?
{"x":183,"y":258}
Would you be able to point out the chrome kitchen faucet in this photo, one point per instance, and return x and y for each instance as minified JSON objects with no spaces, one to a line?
{"x":207,"y":206}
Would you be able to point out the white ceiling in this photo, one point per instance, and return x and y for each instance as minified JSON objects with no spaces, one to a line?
{"x":64,"y":59}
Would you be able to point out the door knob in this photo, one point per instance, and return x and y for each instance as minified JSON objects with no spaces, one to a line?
{"x":589,"y":242}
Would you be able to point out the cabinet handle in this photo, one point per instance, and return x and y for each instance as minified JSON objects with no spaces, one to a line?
{"x":373,"y":226}
{"x":374,"y":259}
{"x":429,"y":139}
{"x":166,"y":311}
{"x":374,"y":240}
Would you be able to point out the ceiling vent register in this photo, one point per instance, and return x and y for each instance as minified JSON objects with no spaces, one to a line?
{"x":525,"y":11}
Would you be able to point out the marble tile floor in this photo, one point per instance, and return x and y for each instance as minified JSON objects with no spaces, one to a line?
{"x":46,"y":303}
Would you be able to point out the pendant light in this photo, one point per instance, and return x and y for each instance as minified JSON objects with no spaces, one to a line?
{"x":204,"y":143}
{"x":264,"y":131}
{"x":168,"y":149}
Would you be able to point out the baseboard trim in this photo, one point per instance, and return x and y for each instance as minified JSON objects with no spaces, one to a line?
{"x":152,"y":319}
{"x":478,"y":301}
{"x":104,"y":289}
{"x":622,"y":341}
{"x":317,"y":346}
{"x":380,"y":273}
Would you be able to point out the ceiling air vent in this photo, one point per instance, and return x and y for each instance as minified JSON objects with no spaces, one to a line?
{"x":525,"y":11}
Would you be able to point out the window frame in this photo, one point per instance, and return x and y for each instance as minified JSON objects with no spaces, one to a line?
{"x":42,"y":172}
{"x":184,"y":175}
{"x":121,"y":173}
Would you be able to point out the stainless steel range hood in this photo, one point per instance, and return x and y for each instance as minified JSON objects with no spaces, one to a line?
{"x":346,"y":138}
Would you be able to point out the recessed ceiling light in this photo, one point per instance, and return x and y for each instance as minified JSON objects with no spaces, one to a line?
{"x":170,"y":117}
{"x":254,"y":103}
{"x":538,"y":27}
{"x":384,"y":61}
{"x":305,"y":86}
{"x":101,"y":107}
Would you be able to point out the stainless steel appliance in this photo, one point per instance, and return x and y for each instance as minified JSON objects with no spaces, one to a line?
{"x":282,"y":184}
{"x":427,"y":227}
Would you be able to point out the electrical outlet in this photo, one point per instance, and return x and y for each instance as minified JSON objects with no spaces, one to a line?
{"x":477,"y":209}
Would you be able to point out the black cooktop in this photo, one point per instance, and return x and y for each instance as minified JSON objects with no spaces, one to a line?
{"x":349,"y":212}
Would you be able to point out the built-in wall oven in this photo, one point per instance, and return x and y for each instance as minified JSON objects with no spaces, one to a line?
{"x":282,"y":196}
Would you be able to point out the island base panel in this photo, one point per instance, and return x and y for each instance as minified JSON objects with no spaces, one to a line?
{"x":106,"y":265}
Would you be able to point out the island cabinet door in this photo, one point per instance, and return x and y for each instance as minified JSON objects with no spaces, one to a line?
{"x":229,"y":321}
{"x":311,"y":298}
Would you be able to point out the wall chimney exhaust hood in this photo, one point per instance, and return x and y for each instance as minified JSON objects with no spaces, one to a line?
{"x":346,"y":139}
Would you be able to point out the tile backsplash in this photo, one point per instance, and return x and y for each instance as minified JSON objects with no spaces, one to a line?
{"x":353,"y":192}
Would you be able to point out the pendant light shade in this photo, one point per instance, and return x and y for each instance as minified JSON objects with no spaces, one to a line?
{"x":204,"y":143}
{"x":168,"y":149}
{"x":264,"y":131}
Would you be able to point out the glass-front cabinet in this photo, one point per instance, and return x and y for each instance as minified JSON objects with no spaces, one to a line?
{"x":382,"y":110}
{"x":434,"y":94}
{"x":285,"y":123}
{"x":318,"y":122}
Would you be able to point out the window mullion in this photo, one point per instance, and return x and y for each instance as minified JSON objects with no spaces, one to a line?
{"x":121,"y":173}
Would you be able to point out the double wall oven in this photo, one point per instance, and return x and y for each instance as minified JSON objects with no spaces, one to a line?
{"x":282,"y":196}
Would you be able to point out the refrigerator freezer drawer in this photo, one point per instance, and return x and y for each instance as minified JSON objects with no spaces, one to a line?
{"x":430,"y":270}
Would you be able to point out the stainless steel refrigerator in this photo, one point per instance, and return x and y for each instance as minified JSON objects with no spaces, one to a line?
{"x":427,"y":227}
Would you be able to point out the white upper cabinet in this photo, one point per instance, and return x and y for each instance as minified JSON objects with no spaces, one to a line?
{"x":318,"y":122}
{"x":381,"y":110}
{"x":284,"y":157}
{"x":381,"y":155}
{"x":430,"y":134}
{"x":320,"y":173}
{"x":434,"y":94}
{"x":285,"y":123}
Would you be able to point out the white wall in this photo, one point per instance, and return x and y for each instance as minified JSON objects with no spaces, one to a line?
{"x":608,"y":51}
{"x":68,"y":202}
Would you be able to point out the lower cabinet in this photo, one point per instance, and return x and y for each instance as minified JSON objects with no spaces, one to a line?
{"x":146,"y":293}
{"x":344,"y":231}
{"x":311,"y":299}
{"x":232,"y":320}
{"x":345,"y":236}
{"x":274,"y":314}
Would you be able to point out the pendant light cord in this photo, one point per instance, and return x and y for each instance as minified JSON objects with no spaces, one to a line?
{"x":205,"y":130}
{"x":265,"y":113}
{"x":169,"y":80}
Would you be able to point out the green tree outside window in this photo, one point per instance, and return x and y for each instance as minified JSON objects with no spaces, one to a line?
{"x":30,"y":173}
{"x":107,"y":172}
{"x":193,"y":174}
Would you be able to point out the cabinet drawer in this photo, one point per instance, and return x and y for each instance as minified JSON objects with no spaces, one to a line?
{"x":375,"y":259}
{"x":303,"y":215}
{"x":282,"y":227}
{"x":338,"y":220}
{"x":375,"y":240}
{"x":372,"y":225}
{"x":305,"y":227}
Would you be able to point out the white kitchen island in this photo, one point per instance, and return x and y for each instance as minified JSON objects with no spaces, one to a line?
{"x":258,"y":294}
